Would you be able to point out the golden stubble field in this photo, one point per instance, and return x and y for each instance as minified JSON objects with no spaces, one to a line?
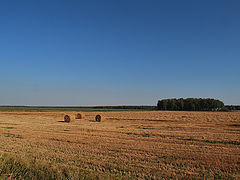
{"x":143,"y":145}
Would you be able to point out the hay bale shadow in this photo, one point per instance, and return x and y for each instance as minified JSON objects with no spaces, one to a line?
{"x":92,"y":121}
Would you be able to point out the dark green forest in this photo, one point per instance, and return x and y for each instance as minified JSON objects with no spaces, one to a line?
{"x":190,"y":104}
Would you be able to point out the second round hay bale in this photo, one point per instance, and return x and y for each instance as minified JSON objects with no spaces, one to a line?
{"x":67,"y":118}
{"x":99,"y":118}
{"x":80,"y":116}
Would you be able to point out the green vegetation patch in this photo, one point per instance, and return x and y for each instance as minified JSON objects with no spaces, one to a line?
{"x":13,"y":135}
{"x":213,"y":142}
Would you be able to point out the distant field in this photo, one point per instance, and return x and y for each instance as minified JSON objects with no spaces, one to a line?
{"x":54,"y":109}
{"x":132,"y":145}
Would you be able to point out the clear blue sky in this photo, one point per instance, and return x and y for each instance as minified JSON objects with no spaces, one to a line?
{"x":73,"y":52}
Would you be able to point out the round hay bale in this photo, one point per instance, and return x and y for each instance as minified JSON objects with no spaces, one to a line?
{"x":80,"y":116}
{"x":67,"y":118}
{"x":99,"y":118}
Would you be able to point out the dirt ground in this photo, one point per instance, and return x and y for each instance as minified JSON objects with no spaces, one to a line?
{"x":143,"y":145}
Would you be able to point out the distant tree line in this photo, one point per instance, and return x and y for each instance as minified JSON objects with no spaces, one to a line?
{"x":190,"y":104}
{"x":127,"y":107}
{"x":232,"y":108}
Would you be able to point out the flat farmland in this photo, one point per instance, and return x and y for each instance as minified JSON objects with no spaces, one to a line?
{"x":126,"y":145}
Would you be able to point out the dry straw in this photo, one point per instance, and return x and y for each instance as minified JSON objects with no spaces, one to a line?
{"x":99,"y":118}
{"x":67,"y":118}
{"x":80,"y":116}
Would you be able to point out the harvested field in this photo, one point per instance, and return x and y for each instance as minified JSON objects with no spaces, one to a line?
{"x":143,"y":145}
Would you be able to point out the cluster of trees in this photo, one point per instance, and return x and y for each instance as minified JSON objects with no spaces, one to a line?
{"x":190,"y":104}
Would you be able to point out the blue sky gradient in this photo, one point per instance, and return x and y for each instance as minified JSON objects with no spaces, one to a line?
{"x":128,"y":52}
